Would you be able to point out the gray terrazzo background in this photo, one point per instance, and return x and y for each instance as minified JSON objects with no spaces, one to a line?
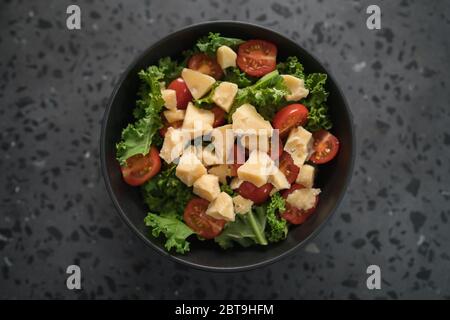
{"x":55,"y":211}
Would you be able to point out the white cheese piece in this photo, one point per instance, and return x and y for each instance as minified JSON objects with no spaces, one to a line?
{"x":226,"y":57}
{"x":207,"y":187}
{"x":278,"y":179}
{"x":173,"y":146}
{"x":224,"y":95}
{"x":306,"y":176}
{"x":223,"y":141}
{"x":247,"y":121}
{"x":197,"y":82}
{"x":197,"y":121}
{"x":303,"y":199}
{"x":221,"y":207}
{"x":209,"y":158}
{"x":257,"y":168}
{"x":298,"y":145}
{"x":189,"y":168}
{"x":235,"y":183}
{"x":174,"y":115}
{"x":242,"y":205}
{"x":170,"y":98}
{"x":221,"y":171}
{"x":296,"y":86}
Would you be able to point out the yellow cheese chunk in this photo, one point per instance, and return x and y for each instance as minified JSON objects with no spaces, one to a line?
{"x":298,"y":145}
{"x":174,"y":143}
{"x":278,"y":179}
{"x":207,"y":187}
{"x":198,"y":83}
{"x":226,"y":57}
{"x":222,"y":171}
{"x":174,"y":115}
{"x":257,"y":168}
{"x":197,"y":121}
{"x":242,"y":205}
{"x":296,"y":86}
{"x":224,"y":95}
{"x":247,"y":121}
{"x":170,"y":98}
{"x":189,"y":168}
{"x":255,"y":142}
{"x":306,"y":176}
{"x":221,"y":207}
{"x":235,"y":183}
{"x":303,"y":199}
{"x":223,"y":141}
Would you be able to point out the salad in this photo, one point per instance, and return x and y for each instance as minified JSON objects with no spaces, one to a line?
{"x":226,"y":142}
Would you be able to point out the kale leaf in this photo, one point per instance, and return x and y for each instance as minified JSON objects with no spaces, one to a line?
{"x":210,"y":43}
{"x":276,"y":229}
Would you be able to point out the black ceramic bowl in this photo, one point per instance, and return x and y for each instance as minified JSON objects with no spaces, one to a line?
{"x":332,"y":178}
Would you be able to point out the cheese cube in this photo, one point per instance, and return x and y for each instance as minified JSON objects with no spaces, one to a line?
{"x":303,"y":199}
{"x":223,"y":141}
{"x":207,"y":187}
{"x":226,"y":57}
{"x":257,"y":168}
{"x":170,"y":98}
{"x":174,"y":115}
{"x":197,"y":82}
{"x":221,"y":171}
{"x":298,"y":145}
{"x":255,"y":142}
{"x":306,"y":176}
{"x":296,"y":86}
{"x":174,"y":143}
{"x":235,"y":183}
{"x":242,"y":205}
{"x":224,"y":95}
{"x":247,"y":121}
{"x":278,"y":179}
{"x":221,"y":207}
{"x":197,"y":121}
{"x":189,"y":168}
{"x":208,"y":157}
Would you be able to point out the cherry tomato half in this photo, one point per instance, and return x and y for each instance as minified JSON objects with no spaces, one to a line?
{"x":219,"y":116}
{"x":325,"y":146}
{"x":203,"y":63}
{"x":288,"y":117}
{"x":258,"y":195}
{"x":182,"y":92}
{"x":176,"y":125}
{"x":257,"y":57}
{"x":140,"y":168}
{"x":293,"y":214}
{"x":202,"y":224}
{"x":287,"y":166}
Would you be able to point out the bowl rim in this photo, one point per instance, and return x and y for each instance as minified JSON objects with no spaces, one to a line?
{"x":178,"y":258}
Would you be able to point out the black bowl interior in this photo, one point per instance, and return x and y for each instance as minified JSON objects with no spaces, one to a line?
{"x":332,"y":178}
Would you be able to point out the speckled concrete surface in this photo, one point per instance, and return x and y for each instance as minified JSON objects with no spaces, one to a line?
{"x":55,"y":211}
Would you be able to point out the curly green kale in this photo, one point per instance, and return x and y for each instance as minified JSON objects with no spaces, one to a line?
{"x":137,"y":137}
{"x":291,"y":66}
{"x":233,"y":74}
{"x":170,"y":68}
{"x":276,"y":229}
{"x":210,"y":43}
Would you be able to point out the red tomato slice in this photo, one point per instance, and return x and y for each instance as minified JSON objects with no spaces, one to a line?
{"x":239,"y":159}
{"x":293,"y":214}
{"x":258,"y":195}
{"x":219,"y":116}
{"x":176,"y":125}
{"x":287,"y":166}
{"x":203,"y":63}
{"x":202,"y":224}
{"x":182,"y":92}
{"x":288,"y":117}
{"x":140,"y":168}
{"x":257,"y":57}
{"x":326,"y":146}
